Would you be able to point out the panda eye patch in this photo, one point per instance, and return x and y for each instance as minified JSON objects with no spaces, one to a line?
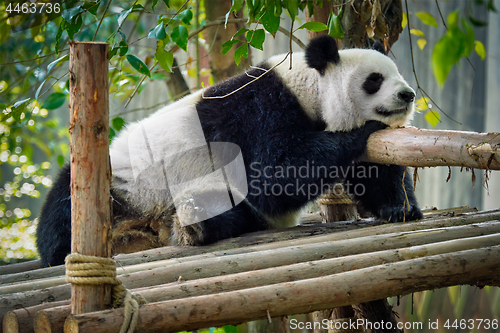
{"x":373,"y":83}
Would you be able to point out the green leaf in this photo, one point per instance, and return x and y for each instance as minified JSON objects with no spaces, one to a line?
{"x":433,"y":118}
{"x":186,"y":16}
{"x":123,"y":47}
{"x":164,"y":58}
{"x":57,"y":61}
{"x":257,"y":38}
{"x":158,"y":32}
{"x":236,"y":6}
{"x":54,"y":101}
{"x":491,"y":6}
{"x":167,"y":3}
{"x":270,"y":22}
{"x":417,"y":32}
{"x":335,"y":27}
{"x":112,"y":134}
{"x":92,"y":6}
{"x":118,"y":123}
{"x":404,"y":22}
{"x":313,"y":26}
{"x":62,"y":28}
{"x":138,"y":64}
{"x":427,"y":19}
{"x":180,"y":36}
{"x":37,"y":93}
{"x":293,"y":7}
{"x":240,"y":32}
{"x":453,"y":20}
{"x":123,"y":15}
{"x":480,"y":50}
{"x":469,"y":40}
{"x":228,"y":45}
{"x":70,"y":14}
{"x":60,"y":160}
{"x":155,"y":2}
{"x":445,"y":54}
{"x":240,"y":52}
{"x":73,"y":28}
{"x":477,"y":23}
{"x":158,"y":76}
{"x":18,"y":103}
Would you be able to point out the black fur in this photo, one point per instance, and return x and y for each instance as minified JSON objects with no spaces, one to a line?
{"x":378,"y":46}
{"x":373,"y":83}
{"x":320,"y":51}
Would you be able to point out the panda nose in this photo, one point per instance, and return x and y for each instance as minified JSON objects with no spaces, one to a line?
{"x":407,"y":96}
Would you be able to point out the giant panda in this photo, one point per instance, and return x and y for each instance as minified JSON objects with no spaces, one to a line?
{"x":249,"y":153}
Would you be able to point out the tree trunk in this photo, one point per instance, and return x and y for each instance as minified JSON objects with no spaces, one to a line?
{"x":222,"y":65}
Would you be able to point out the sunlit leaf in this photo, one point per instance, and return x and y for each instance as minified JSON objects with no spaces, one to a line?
{"x":427,"y":19}
{"x":421,"y":104}
{"x":158,"y":32}
{"x":417,"y":32}
{"x":164,"y":58}
{"x":480,"y":50}
{"x":404,"y":22}
{"x":123,"y":15}
{"x":453,"y":19}
{"x":445,"y":54}
{"x":18,"y":103}
{"x":433,"y":118}
{"x":421,"y":43}
{"x":57,"y":61}
{"x":138,"y":64}
{"x":313,"y":26}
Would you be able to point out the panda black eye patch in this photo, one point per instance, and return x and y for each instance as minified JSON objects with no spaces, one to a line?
{"x":373,"y":83}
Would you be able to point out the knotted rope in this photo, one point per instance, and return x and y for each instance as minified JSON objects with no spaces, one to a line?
{"x":85,"y":270}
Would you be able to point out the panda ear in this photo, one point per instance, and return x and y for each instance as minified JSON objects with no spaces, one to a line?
{"x":320,"y":51}
{"x":378,"y":46}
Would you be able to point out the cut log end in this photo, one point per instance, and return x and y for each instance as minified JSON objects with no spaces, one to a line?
{"x":10,"y":323}
{"x":41,"y":323}
{"x":71,"y":325}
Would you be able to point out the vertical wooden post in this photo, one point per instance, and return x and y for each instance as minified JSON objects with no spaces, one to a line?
{"x":90,"y":166}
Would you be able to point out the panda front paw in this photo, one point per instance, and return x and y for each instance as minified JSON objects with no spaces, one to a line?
{"x":369,"y":127}
{"x":400,"y":213}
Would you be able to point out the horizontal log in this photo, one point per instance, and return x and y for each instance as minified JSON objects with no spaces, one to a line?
{"x":21,"y":267}
{"x":49,"y":320}
{"x":417,"y":147}
{"x":358,"y":286}
{"x":21,"y":320}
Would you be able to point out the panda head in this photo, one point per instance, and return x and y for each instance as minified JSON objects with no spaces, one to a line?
{"x":357,"y":85}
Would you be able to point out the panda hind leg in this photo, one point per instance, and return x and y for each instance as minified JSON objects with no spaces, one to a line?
{"x":240,"y":219}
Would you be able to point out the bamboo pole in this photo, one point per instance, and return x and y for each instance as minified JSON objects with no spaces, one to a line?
{"x":49,"y":320}
{"x":315,"y":243}
{"x":90,"y":165}
{"x":416,"y":147}
{"x":268,"y":236}
{"x":358,"y":286}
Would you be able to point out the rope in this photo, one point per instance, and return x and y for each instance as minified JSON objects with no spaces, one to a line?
{"x":90,"y":270}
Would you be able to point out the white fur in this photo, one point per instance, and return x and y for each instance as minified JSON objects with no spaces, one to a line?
{"x":338,"y":96}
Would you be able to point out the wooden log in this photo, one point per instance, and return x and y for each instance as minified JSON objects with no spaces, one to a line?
{"x":52,"y":319}
{"x":90,"y":165}
{"x":313,"y":269}
{"x":33,"y":297}
{"x":21,"y":267}
{"x":298,"y":243}
{"x":358,"y":286}
{"x":21,"y":320}
{"x":314,"y":227}
{"x":416,"y":147}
